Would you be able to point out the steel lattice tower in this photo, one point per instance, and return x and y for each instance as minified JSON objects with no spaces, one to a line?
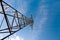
{"x":18,"y":19}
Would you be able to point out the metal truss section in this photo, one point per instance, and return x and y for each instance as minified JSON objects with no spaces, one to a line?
{"x":15,"y":20}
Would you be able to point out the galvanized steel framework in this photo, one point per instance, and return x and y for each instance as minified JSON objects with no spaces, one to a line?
{"x":18,"y":19}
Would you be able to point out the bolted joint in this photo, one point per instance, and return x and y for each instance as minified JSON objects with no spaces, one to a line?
{"x":0,"y":0}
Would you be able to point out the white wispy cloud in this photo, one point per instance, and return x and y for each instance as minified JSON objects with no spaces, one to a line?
{"x":41,"y":18}
{"x":42,"y":14}
{"x":16,"y":37}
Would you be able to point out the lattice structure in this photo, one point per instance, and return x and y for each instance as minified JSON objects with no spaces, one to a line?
{"x":15,"y":21}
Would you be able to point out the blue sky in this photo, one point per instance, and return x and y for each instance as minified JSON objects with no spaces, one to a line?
{"x":46,"y":15}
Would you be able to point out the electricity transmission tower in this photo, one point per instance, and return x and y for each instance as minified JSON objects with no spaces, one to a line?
{"x":15,"y":21}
